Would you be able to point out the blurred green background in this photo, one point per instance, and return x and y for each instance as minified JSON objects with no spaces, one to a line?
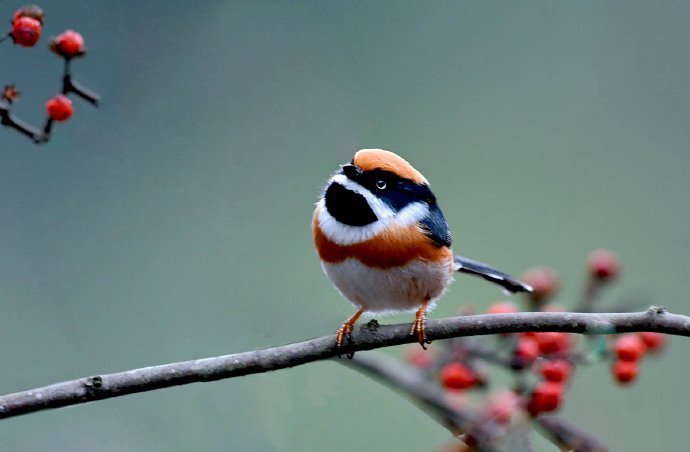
{"x":173,"y":222}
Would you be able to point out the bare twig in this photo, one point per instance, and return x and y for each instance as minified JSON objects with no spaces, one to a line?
{"x":69,"y":85}
{"x":590,"y":295}
{"x":369,"y":337}
{"x":7,"y":119}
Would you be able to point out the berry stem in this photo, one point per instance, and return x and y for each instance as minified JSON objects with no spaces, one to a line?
{"x":71,"y":86}
{"x":6,"y":119}
{"x":590,"y":294}
{"x":48,"y":126}
{"x":6,"y":37}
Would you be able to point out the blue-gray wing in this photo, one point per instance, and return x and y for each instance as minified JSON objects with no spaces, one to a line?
{"x":435,"y":226}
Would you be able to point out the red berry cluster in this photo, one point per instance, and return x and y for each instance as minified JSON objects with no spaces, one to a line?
{"x":628,"y":351}
{"x":27,"y":26}
{"x":543,"y":363}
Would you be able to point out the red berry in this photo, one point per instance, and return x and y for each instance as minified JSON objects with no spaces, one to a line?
{"x":653,"y":341}
{"x":547,"y":396}
{"x":32,"y":11}
{"x":526,"y":351}
{"x":629,"y":347}
{"x":26,"y":31}
{"x":59,"y":107}
{"x":553,"y":342}
{"x":625,"y":372}
{"x":544,"y":282}
{"x":603,"y":265}
{"x":69,"y":44}
{"x":503,"y":307}
{"x":556,"y":370}
{"x":502,"y":405}
{"x":457,"y":376}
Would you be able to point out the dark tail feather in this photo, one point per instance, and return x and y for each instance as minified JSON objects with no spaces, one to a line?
{"x":465,"y":265}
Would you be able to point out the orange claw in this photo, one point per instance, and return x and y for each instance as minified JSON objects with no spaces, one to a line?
{"x":419,"y":325}
{"x":346,"y":329}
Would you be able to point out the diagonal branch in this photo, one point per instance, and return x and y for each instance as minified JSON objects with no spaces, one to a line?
{"x":461,"y":419}
{"x":568,"y":436}
{"x":370,"y":336}
{"x":7,"y":119}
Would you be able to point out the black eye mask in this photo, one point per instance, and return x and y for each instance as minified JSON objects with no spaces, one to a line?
{"x":348,"y":207}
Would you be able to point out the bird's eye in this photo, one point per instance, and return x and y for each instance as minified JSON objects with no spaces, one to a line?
{"x":380,"y":184}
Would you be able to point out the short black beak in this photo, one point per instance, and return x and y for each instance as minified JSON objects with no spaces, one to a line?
{"x":352,"y":172}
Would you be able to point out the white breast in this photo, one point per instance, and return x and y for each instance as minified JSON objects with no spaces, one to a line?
{"x":391,"y":290}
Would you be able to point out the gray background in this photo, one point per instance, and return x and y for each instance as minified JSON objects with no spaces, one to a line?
{"x":173,"y":222}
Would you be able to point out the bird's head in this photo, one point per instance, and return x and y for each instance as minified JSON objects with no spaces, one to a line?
{"x":376,"y":190}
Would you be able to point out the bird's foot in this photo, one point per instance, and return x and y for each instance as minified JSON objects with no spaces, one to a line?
{"x":419,"y":328}
{"x":344,"y":331}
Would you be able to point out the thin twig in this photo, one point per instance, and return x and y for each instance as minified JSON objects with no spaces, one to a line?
{"x":368,"y":337}
{"x":590,"y":295}
{"x":69,"y":85}
{"x":7,"y":119}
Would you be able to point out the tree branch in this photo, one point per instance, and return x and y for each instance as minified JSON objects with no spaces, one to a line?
{"x":369,"y":336}
{"x":7,"y":119}
{"x":569,"y":437}
{"x":460,"y":419}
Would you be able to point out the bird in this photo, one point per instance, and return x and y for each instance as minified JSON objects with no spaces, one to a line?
{"x":384,"y":243}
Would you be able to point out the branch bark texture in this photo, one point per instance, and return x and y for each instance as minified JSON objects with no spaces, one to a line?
{"x":368,"y":337}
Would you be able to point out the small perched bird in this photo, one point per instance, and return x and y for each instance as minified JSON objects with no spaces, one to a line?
{"x":384,"y":243}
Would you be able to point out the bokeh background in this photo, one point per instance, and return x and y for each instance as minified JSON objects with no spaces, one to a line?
{"x":173,"y":222}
